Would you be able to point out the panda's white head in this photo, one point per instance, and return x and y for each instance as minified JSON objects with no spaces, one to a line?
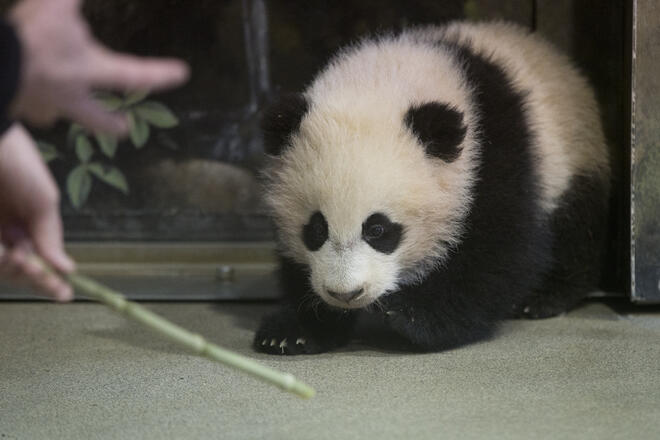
{"x":369,"y":187}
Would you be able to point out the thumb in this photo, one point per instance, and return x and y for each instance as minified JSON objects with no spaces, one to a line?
{"x":46,"y":233}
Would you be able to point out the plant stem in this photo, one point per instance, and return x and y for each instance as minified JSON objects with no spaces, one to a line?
{"x":91,"y":289}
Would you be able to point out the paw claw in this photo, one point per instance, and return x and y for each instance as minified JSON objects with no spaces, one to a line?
{"x":283,"y":345}
{"x":301,"y":341}
{"x":273,"y":342}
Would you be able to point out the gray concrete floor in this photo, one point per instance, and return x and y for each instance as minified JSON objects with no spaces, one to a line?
{"x":78,"y":371}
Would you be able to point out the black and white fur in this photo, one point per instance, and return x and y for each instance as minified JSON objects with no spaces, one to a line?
{"x":445,"y":178}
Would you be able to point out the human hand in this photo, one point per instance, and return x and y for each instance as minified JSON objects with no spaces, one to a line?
{"x":29,"y":217}
{"x":62,"y":63}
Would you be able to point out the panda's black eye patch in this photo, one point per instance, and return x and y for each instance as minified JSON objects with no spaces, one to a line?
{"x":381,"y":233}
{"x":315,"y":232}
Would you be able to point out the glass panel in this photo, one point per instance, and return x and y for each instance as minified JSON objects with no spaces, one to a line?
{"x":190,"y":162}
{"x":189,"y":170}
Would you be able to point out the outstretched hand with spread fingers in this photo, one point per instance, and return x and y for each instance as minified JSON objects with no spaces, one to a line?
{"x":62,"y":64}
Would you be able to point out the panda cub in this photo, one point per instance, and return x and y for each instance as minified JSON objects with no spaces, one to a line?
{"x":445,"y":178}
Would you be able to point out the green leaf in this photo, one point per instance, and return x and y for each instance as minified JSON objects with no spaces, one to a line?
{"x":74,"y":131}
{"x":84,"y":149}
{"x":139,"y":133}
{"x":110,"y":175}
{"x":48,"y":151}
{"x":109,"y":101}
{"x":156,"y":114}
{"x":78,"y":185}
{"x":135,"y":97}
{"x":107,"y":143}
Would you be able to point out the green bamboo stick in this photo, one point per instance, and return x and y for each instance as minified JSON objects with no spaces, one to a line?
{"x":91,"y":289}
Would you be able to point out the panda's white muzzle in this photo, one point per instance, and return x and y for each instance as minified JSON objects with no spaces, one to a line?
{"x":351,"y":277}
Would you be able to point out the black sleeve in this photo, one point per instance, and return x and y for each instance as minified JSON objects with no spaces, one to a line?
{"x":10,"y":60}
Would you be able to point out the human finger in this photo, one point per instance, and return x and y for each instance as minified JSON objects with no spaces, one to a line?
{"x":17,"y":267}
{"x":45,"y":282}
{"x":128,"y":72}
{"x":9,"y":269}
{"x":90,"y":114}
{"x":47,"y":236}
{"x":13,"y":265}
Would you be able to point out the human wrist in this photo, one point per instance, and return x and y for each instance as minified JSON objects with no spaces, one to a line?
{"x":10,"y":66}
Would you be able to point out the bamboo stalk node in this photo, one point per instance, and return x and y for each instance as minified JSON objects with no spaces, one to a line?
{"x":120,"y":304}
{"x":199,"y":344}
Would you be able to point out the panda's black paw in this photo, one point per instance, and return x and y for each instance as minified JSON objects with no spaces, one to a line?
{"x":539,"y":308}
{"x":398,"y":314}
{"x":397,"y":309}
{"x":282,"y":334}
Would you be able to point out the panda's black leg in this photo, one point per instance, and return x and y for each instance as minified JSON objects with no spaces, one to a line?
{"x":578,"y":227}
{"x":289,"y":332}
{"x":562,"y":289}
{"x":545,"y":306}
{"x":416,"y":318}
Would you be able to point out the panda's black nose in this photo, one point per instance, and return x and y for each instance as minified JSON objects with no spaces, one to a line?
{"x":346,"y":296}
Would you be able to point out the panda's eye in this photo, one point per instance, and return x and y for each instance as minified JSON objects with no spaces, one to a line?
{"x":381,"y":233}
{"x":315,"y":233}
{"x":374,"y":231}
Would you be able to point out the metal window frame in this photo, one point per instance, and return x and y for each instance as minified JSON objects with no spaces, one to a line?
{"x":190,"y":271}
{"x":644,"y":101}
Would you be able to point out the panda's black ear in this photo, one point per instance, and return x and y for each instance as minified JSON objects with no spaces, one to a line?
{"x":439,"y":128}
{"x":281,"y":119}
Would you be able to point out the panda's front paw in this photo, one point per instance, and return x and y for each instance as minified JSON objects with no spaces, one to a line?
{"x":400,"y":317}
{"x":285,"y":345}
{"x":282,"y":334}
{"x":407,"y":320}
{"x":541,"y":308}
{"x":397,"y":311}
